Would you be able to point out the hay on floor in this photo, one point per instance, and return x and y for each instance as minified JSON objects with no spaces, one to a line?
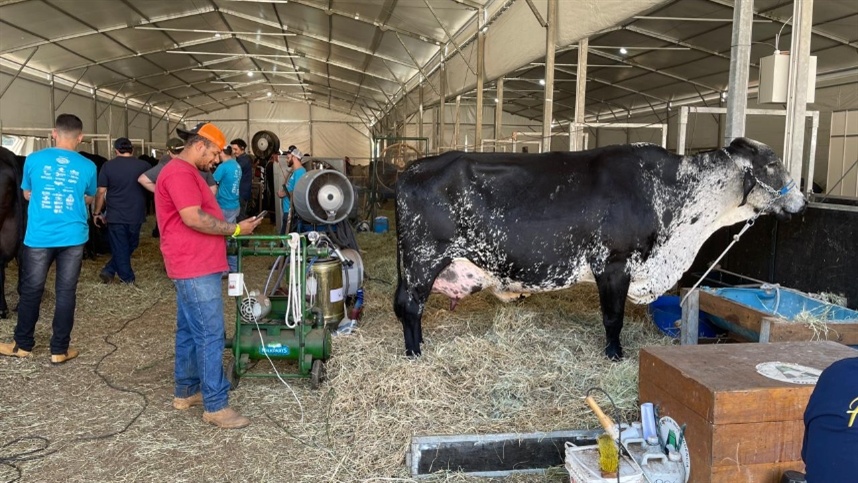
{"x":487,"y":367}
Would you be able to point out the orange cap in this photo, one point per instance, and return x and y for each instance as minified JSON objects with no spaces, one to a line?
{"x":206,"y":130}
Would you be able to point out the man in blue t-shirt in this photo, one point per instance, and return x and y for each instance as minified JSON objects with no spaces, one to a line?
{"x":59,"y":183}
{"x":228,"y":177}
{"x":239,"y":148}
{"x":830,"y":450}
{"x":126,"y":209}
{"x":293,"y":160}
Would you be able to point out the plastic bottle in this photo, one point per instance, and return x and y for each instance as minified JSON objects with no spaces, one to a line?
{"x":648,"y":421}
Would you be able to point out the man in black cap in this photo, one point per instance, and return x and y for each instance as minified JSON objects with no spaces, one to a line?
{"x":147,"y":179}
{"x":239,"y":150}
{"x":126,"y":209}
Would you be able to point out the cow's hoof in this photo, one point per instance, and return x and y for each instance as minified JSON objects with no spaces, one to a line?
{"x":412,"y":354}
{"x":614,"y":354}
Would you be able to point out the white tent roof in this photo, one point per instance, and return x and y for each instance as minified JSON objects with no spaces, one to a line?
{"x":360,"y":57}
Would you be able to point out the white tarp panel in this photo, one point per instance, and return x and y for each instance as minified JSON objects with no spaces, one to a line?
{"x":339,"y":140}
{"x":319,"y":131}
{"x":25,"y":104}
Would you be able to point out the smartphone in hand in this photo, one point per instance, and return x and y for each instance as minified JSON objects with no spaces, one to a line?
{"x":261,"y":215}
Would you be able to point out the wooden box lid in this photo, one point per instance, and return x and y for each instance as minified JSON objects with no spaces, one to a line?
{"x":721,"y":384}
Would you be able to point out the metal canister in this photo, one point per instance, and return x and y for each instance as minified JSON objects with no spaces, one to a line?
{"x":330,"y":294}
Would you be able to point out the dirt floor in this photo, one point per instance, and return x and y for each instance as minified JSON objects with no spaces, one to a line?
{"x":486,"y":368}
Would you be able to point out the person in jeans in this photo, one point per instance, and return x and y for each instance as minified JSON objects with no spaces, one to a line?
{"x":60,"y":184}
{"x":194,"y":249}
{"x":126,"y":209}
{"x":228,"y":177}
{"x":293,"y":160}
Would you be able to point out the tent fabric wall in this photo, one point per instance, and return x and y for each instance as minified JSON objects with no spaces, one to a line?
{"x":315,"y":130}
{"x":25,"y":104}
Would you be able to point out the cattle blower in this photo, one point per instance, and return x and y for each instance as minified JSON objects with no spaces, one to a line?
{"x":310,"y":284}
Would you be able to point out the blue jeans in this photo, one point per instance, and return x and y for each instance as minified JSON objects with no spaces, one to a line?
{"x":231,"y":216}
{"x":200,"y":341}
{"x":35,"y":263}
{"x":124,"y":239}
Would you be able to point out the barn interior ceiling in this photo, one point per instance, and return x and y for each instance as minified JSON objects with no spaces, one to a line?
{"x":363,"y":56}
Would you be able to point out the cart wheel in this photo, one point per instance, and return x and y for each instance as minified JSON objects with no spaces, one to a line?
{"x":232,"y":376}
{"x":317,"y":374}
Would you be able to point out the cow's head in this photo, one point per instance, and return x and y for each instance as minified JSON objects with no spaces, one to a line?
{"x":766,"y":185}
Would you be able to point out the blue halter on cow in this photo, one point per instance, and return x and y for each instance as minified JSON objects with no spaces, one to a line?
{"x":13,"y":214}
{"x":630,"y":218}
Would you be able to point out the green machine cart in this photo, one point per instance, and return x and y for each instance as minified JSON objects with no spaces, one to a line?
{"x":278,"y":326}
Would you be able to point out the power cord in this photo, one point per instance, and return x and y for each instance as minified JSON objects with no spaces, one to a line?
{"x":41,"y":452}
{"x":297,"y":326}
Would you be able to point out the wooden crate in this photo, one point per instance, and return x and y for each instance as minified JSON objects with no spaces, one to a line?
{"x":742,"y":426}
{"x":764,"y":325}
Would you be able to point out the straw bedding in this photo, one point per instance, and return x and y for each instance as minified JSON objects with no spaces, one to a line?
{"x":487,"y":367}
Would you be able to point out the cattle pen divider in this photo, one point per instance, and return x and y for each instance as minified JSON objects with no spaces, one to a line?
{"x":684,"y":111}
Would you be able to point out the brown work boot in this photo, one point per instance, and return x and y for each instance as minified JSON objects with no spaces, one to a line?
{"x":183,"y":403}
{"x":65,"y":357}
{"x":226,"y":418}
{"x":11,"y":349}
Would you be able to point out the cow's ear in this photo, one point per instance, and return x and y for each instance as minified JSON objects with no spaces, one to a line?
{"x":748,"y":184}
{"x":745,"y":145}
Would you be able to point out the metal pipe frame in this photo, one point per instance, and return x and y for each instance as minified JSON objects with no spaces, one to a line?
{"x":740,"y":55}
{"x":797,"y":88}
{"x":548,"y":98}
{"x":18,"y":72}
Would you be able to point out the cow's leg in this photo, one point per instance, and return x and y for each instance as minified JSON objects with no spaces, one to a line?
{"x":408,"y":305}
{"x":613,"y":285}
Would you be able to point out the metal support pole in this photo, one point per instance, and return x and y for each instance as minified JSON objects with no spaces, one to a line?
{"x":94,"y":119}
{"x":126,"y":118}
{"x":796,"y":107}
{"x":443,"y":100}
{"x":580,"y":95}
{"x":499,"y":108}
{"x":550,"y":48}
{"x":149,"y":122}
{"x":420,"y":111}
{"x":481,"y":56}
{"x":248,"y":127}
{"x":680,"y":130}
{"x":740,"y":58}
{"x":309,"y":120}
{"x":52,"y":103}
{"x":457,"y":122}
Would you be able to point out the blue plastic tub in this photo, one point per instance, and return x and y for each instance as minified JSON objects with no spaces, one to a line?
{"x":667,"y":314}
{"x":778,"y":302}
{"x":380,"y":224}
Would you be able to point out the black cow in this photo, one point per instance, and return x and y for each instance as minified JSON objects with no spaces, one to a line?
{"x":13,"y":214}
{"x":630,"y":218}
{"x":97,"y":243}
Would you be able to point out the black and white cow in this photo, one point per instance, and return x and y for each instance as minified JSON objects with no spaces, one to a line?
{"x":13,"y":215}
{"x":630,"y":218}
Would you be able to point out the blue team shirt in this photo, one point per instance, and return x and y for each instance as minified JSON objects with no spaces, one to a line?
{"x":228,"y":177}
{"x":290,"y":187}
{"x":58,"y":180}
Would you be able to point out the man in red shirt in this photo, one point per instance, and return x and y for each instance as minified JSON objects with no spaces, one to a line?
{"x":192,"y":241}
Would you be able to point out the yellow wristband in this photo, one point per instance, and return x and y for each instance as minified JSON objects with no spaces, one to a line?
{"x":237,"y":230}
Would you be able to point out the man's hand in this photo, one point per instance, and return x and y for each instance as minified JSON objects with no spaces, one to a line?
{"x":98,"y":219}
{"x":249,"y":224}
